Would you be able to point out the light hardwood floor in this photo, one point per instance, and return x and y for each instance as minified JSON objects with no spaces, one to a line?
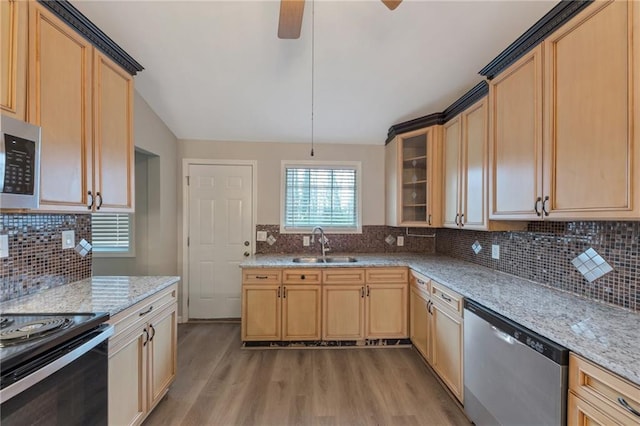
{"x":219,"y":383}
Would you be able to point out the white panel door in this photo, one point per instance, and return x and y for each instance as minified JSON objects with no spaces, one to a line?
{"x":220,"y":209}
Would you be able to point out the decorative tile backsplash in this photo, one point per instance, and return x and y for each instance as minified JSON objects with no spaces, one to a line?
{"x":544,"y":253}
{"x":36,"y":258}
{"x":372,"y":240}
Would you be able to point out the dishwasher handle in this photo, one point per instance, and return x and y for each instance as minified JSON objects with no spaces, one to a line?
{"x":503,"y":336}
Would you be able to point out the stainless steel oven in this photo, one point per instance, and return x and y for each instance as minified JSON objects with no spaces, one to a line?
{"x":54,"y":369}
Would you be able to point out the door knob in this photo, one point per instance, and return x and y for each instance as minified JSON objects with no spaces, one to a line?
{"x":246,"y":243}
{"x":247,"y":254}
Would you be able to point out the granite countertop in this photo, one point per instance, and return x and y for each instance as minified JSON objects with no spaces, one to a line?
{"x":603,"y":333}
{"x":95,"y":294}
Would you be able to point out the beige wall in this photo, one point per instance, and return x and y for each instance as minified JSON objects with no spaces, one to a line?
{"x":157,"y":238}
{"x":269,"y":156}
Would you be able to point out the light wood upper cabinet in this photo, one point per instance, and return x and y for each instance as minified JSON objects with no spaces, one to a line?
{"x":592,"y":114}
{"x":451,"y":152}
{"x":13,"y":58}
{"x":413,"y":179}
{"x":515,"y":129}
{"x":113,"y":135}
{"x":84,"y":104}
{"x":60,"y":102}
{"x":583,"y":163}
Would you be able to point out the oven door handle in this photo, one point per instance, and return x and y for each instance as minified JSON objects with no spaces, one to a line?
{"x":56,"y":365}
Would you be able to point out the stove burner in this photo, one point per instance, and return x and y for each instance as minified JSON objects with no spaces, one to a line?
{"x":19,"y":333}
{"x":4,"y":322}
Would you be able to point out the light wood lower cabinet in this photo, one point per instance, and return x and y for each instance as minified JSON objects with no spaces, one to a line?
{"x":324,"y":304}
{"x":343,"y":312}
{"x":437,"y":329}
{"x":142,"y":357}
{"x":275,"y":311}
{"x":420,"y":324}
{"x":598,"y":397}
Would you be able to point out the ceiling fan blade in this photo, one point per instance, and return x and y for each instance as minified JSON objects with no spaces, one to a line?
{"x":392,"y":4}
{"x":290,"y":18}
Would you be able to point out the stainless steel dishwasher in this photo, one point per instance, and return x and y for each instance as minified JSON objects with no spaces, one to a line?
{"x":512,"y":376}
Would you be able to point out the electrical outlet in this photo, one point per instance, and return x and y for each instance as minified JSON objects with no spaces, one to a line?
{"x":400,"y":241}
{"x":305,"y":241}
{"x":261,"y":236}
{"x":495,"y":251}
{"x":4,"y":245}
{"x":68,"y":239}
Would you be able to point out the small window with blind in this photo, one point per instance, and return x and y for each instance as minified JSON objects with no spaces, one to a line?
{"x":326,"y":195}
{"x":112,"y":235}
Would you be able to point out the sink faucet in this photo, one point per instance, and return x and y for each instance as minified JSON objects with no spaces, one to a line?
{"x":323,"y":240}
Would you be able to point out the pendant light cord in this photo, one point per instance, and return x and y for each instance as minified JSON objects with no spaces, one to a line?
{"x":313,"y":20}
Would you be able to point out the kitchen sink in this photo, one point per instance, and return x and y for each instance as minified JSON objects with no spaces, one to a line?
{"x":328,"y":259}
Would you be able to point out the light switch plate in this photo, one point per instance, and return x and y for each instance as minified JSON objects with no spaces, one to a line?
{"x":305,"y":241}
{"x":495,"y":251}
{"x":261,"y":235}
{"x":68,"y":239}
{"x":4,"y":245}
{"x":400,"y":240}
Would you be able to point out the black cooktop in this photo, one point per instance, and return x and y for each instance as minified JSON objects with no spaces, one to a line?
{"x":25,"y":336}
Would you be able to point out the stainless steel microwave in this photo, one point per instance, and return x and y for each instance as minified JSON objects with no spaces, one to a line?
{"x":19,"y":164}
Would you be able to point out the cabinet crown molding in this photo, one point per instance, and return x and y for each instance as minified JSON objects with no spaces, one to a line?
{"x":87,"y":29}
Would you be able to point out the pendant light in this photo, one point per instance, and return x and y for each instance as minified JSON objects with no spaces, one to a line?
{"x":313,"y":18}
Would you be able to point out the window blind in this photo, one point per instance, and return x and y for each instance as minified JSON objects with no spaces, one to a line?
{"x":111,"y":233}
{"x":321,"y":197}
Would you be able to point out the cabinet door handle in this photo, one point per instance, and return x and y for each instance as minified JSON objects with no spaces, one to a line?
{"x":429,"y":305}
{"x":153,"y":329}
{"x":261,"y":277}
{"x":535,"y":206}
{"x":545,"y":210}
{"x":445,"y":297}
{"x":361,"y":291}
{"x":461,"y":220}
{"x":367,"y":291}
{"x":627,"y":407}
{"x":146,"y":337}
{"x":91,"y":200}
{"x":284,"y":292}
{"x":146,"y":312}
{"x":429,"y":220}
{"x":99,"y":198}
{"x":278,"y":292}
{"x":457,"y":215}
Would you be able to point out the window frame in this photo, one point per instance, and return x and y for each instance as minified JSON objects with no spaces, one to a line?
{"x":130,"y":252}
{"x":349,"y":165}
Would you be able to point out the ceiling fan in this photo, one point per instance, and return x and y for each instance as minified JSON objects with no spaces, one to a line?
{"x":291,"y":16}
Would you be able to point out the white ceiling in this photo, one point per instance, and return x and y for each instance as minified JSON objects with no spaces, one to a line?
{"x":215,"y":70}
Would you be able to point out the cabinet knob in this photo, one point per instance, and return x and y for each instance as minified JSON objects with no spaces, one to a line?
{"x":302,"y":277}
{"x":247,"y":254}
{"x":246,"y":243}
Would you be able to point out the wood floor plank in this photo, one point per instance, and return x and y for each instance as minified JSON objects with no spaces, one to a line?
{"x":221,"y":384}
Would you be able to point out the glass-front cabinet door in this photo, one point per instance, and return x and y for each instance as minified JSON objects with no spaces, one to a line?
{"x":413,"y":178}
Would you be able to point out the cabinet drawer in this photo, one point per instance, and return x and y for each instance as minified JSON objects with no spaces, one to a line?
{"x":261,"y":276}
{"x":387,"y":275}
{"x":302,"y":276}
{"x":140,"y":312}
{"x":603,"y":389}
{"x":420,"y":282}
{"x":343,"y":276}
{"x":446,"y":297}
